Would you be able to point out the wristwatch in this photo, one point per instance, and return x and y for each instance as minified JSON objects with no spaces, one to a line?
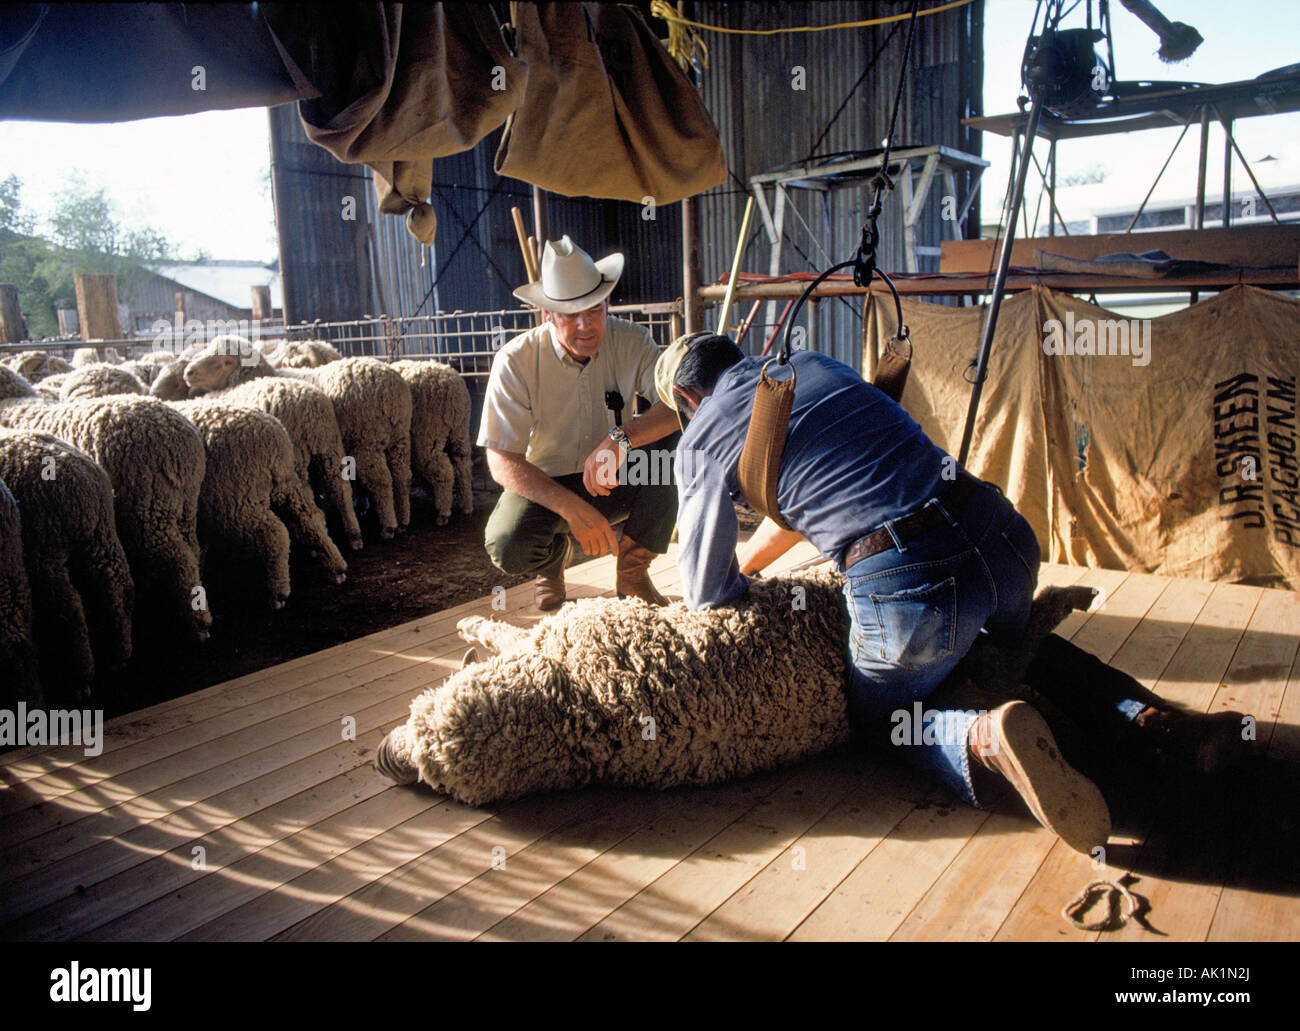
{"x":619,"y":436}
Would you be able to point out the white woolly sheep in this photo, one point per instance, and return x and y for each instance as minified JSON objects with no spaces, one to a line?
{"x":51,"y":387}
{"x":84,"y":356}
{"x":17,"y":647}
{"x":81,"y":587}
{"x":99,"y":380}
{"x":440,"y":438}
{"x":148,"y":366}
{"x":726,"y":692}
{"x":252,"y":503}
{"x":302,"y":354}
{"x":372,"y":405}
{"x":308,"y":417}
{"x":35,"y":366}
{"x":154,"y":459}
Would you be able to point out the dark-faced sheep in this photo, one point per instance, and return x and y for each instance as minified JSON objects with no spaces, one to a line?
{"x":20,"y":682}
{"x":154,"y":459}
{"x":440,"y":438}
{"x":252,"y":503}
{"x":372,"y":405}
{"x":82,"y":593}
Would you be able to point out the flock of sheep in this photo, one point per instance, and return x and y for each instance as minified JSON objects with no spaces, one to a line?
{"x":121,"y":481}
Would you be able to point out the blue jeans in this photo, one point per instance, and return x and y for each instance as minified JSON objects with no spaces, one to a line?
{"x":917,"y":609}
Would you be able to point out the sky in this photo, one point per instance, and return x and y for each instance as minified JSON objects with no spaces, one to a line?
{"x":202,"y":179}
{"x":1242,"y":40}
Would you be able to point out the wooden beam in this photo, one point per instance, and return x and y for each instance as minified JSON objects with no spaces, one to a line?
{"x":261,"y":303}
{"x":13,"y":327}
{"x":97,"y":306}
{"x":1251,"y":246}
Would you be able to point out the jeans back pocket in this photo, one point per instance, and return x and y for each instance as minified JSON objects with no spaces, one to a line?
{"x":918,"y":627}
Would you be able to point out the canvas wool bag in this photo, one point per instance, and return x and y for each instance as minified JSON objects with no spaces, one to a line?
{"x":605,"y":111}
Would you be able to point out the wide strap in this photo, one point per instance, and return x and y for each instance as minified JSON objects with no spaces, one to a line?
{"x":759,"y":468}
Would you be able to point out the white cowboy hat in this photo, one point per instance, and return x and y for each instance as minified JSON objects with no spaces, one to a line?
{"x":571,"y":282}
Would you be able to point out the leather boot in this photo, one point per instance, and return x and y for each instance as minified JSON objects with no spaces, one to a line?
{"x":1014,"y":741}
{"x":632,"y":579}
{"x":1208,"y":743}
{"x":548,"y":591}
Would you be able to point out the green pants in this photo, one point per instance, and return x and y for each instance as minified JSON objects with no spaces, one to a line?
{"x":523,"y":537}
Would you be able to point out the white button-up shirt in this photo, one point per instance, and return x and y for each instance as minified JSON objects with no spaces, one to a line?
{"x":551,"y":409}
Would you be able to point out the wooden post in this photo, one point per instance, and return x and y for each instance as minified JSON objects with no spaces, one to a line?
{"x":67,"y":321}
{"x":691,"y":263}
{"x":13,"y":327}
{"x":261,"y":303}
{"x":97,"y":306}
{"x":180,"y":304}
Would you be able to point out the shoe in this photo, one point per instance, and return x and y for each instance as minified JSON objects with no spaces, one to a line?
{"x":632,"y":576}
{"x":548,"y":591}
{"x":1207,"y":743}
{"x":391,"y":764}
{"x":1015,"y":742}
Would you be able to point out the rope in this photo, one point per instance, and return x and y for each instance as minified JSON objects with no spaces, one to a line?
{"x":1114,"y":892}
{"x":664,"y":11}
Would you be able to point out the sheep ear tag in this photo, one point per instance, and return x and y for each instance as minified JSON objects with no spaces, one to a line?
{"x":760,"y":460}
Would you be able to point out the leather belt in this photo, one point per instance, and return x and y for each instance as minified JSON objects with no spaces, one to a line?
{"x":912,"y":526}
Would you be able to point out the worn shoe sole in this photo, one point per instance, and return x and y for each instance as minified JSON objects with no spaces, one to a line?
{"x":1061,"y":798}
{"x":390,"y":766}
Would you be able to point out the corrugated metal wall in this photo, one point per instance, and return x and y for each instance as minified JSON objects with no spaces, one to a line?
{"x":329,"y":273}
{"x":765,"y":123}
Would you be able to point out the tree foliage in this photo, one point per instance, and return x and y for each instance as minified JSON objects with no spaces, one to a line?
{"x":83,"y":235}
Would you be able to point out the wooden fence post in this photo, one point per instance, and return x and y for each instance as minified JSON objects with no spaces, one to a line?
{"x":97,"y":306}
{"x":13,"y":327}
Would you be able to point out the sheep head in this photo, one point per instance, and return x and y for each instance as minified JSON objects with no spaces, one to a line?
{"x":225,"y":362}
{"x":13,"y":385}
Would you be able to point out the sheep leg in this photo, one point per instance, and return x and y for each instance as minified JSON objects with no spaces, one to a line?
{"x":498,"y":637}
{"x":164,"y":561}
{"x":372,"y":473}
{"x":462,"y":463}
{"x":62,"y":641}
{"x":338,"y":494}
{"x":306,"y":527}
{"x":398,"y":457}
{"x":263,"y":537}
{"x":434,"y":468}
{"x":104,"y":582}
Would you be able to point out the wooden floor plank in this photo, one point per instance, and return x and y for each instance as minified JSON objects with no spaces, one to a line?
{"x":973,"y":896}
{"x":583,"y":899}
{"x":673,"y":904}
{"x":878,"y":895}
{"x":797,"y":881}
{"x":386,"y":902}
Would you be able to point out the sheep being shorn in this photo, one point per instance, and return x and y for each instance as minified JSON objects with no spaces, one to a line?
{"x":372,"y":405}
{"x":252,"y":503}
{"x":20,"y":682}
{"x":440,"y":438}
{"x":154,"y":459}
{"x":615,"y":691}
{"x":82,"y":592}
{"x":619,"y":692}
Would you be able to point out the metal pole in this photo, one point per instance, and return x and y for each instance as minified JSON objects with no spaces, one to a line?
{"x":1227,"y":172}
{"x":1000,"y":279}
{"x":1200,"y":169}
{"x":541,"y":220}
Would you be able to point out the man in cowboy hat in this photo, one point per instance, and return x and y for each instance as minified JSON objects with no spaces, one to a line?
{"x":932,"y":557}
{"x":554,"y":444}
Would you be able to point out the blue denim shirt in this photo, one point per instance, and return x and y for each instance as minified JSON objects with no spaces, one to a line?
{"x":853,"y":460}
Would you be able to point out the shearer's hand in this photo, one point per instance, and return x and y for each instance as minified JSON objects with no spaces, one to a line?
{"x":591,"y":529}
{"x":600,"y":472}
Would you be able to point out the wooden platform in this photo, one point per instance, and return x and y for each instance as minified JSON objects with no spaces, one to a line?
{"x":243,"y":812}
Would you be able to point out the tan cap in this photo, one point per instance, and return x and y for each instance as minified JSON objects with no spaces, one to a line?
{"x":666,"y":370}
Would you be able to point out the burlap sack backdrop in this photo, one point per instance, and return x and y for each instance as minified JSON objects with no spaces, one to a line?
{"x":1177,"y":458}
{"x":596,"y":107}
{"x":606,"y":112}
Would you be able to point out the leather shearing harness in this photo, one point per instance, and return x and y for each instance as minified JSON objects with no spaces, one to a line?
{"x":769,"y":421}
